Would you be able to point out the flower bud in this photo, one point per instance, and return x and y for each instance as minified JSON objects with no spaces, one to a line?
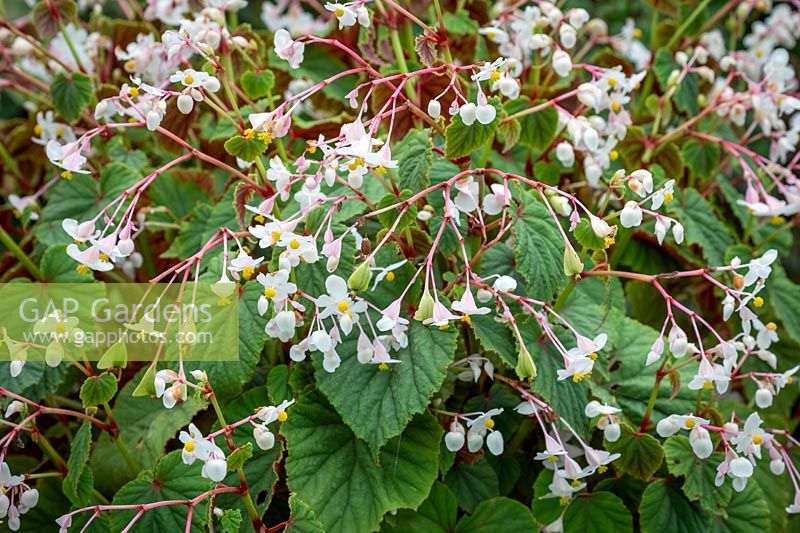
{"x":572,"y":262}
{"x":425,"y":307}
{"x":763,"y":398}
{"x":359,"y":279}
{"x":612,"y":432}
{"x":115,"y":357}
{"x":434,"y":109}
{"x":526,"y":368}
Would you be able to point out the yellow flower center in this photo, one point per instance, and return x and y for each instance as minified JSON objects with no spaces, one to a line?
{"x":248,"y":134}
{"x":294,"y":244}
{"x":668,"y":197}
{"x":312,"y":148}
{"x":759,"y":53}
{"x":789,"y":379}
{"x":690,"y":423}
{"x":575,"y":482}
{"x":390,"y":276}
{"x":608,"y":241}
{"x":602,"y":468}
{"x":276,"y":235}
{"x":758,"y":301}
{"x":552,"y":459}
{"x":265,"y":136}
{"x":67,"y":175}
{"x":357,"y":162}
{"x":637,"y":33}
{"x":189,"y":446}
{"x":612,"y":82}
{"x":380,"y":169}
{"x":188,"y":80}
{"x":82,"y":269}
{"x":130,"y":65}
{"x":259,"y":218}
{"x":466,"y":319}
{"x":61,"y":328}
{"x":383,"y":367}
{"x":489,"y":423}
{"x":339,"y":12}
{"x":777,"y":220}
{"x":269,"y":292}
{"x":581,"y":377}
{"x":563,"y":501}
{"x":37,"y":129}
{"x":133,"y":91}
{"x":247,"y":272}
{"x":613,"y":155}
{"x":615,"y":106}
{"x":758,"y":439}
{"x":103,"y":258}
{"x":494,"y":76}
{"x":708,"y":384}
{"x":772,"y":326}
{"x":342,"y":306}
{"x":282,"y":416}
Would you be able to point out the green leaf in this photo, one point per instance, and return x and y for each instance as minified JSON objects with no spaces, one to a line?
{"x":303,"y":519}
{"x":538,"y":129}
{"x":703,"y":227}
{"x":239,"y":456}
{"x":388,"y":218}
{"x":115,"y":178}
{"x":377,"y":404}
{"x":437,"y":513}
{"x":599,"y":512}
{"x":171,"y":479}
{"x":461,"y":140}
{"x":335,"y":473}
{"x":699,"y":474}
{"x":538,"y":250}
{"x":495,"y":337}
{"x":640,"y":454}
{"x":702,"y":157}
{"x":415,"y":157}
{"x":145,"y":426}
{"x":472,"y":483}
{"x":97,"y":390}
{"x":586,"y":237}
{"x":72,"y":93}
{"x":231,"y":520}
{"x":459,"y":23}
{"x":497,"y":514}
{"x":747,"y":511}
{"x":278,"y":384}
{"x":784,"y":295}
{"x":257,"y":84}
{"x":245,"y":149}
{"x":664,"y":508}
{"x":78,"y":483}
{"x":75,"y":198}
{"x":48,"y":19}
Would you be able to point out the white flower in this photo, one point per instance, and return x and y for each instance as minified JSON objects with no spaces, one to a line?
{"x":565,"y":154}
{"x":282,"y":326}
{"x":277,"y":288}
{"x":454,"y":439}
{"x":700,"y":440}
{"x":468,"y":113}
{"x":91,"y":258}
{"x":434,"y":109}
{"x":338,"y":303}
{"x":287,"y":49}
{"x":670,"y":425}
{"x":760,"y":268}
{"x":245,"y":264}
{"x":171,"y":395}
{"x":505,"y":284}
{"x":190,"y":78}
{"x":485,"y":113}
{"x":708,"y":375}
{"x":467,"y":306}
{"x":763,"y":398}
{"x":631,"y":215}
{"x":21,"y":203}
{"x":748,"y":441}
{"x":562,"y":63}
{"x":740,"y":469}
{"x":500,"y":198}
{"x":67,"y":156}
